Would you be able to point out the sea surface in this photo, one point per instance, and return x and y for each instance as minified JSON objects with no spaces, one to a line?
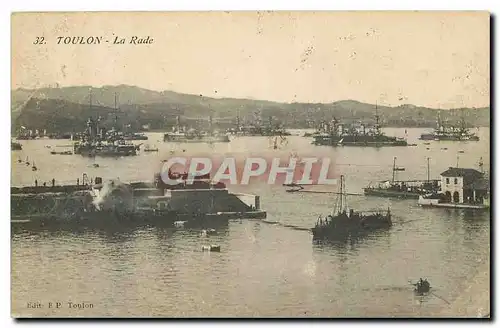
{"x":265,"y":269}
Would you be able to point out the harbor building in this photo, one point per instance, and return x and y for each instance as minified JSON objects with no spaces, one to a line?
{"x":461,"y":188}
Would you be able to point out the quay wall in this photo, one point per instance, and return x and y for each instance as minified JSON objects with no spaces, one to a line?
{"x":49,"y":203}
{"x":205,"y":201}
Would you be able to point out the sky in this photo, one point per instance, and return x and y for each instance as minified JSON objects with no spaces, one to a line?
{"x":433,"y":59}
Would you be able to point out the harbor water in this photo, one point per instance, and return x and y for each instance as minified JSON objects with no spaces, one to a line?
{"x":265,"y":268}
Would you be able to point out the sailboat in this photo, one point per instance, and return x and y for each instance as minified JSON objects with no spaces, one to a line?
{"x":345,"y":222}
{"x":27,"y":161}
{"x":403,"y":188}
{"x":33,"y":167}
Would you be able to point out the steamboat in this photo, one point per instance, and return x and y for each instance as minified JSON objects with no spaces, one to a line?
{"x":406,"y":189}
{"x":343,"y":222}
{"x":337,"y":135}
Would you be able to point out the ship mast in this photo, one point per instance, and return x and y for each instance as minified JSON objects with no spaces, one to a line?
{"x":238,"y":120}
{"x":377,"y":120}
{"x":210,"y":124}
{"x":439,"y":121}
{"x":341,"y":203}
{"x":344,"y":196}
{"x":393,"y":169}
{"x":428,"y":170}
{"x":116,"y":112}
{"x":341,"y":199}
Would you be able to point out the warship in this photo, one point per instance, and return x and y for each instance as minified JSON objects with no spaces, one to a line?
{"x":97,"y":141}
{"x":183,"y":134}
{"x":338,"y":135}
{"x":450,"y":133}
{"x":258,"y":129}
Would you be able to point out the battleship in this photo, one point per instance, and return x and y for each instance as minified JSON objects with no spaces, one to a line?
{"x":450,"y":133}
{"x":337,"y":135}
{"x":96,"y":141}
{"x":190,"y":135}
{"x":26,"y":134}
{"x":343,"y":222}
{"x":258,"y":129}
{"x":406,"y":189}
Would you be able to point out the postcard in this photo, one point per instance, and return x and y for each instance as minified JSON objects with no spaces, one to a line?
{"x":250,"y":164}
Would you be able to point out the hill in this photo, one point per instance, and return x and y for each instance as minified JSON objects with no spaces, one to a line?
{"x":67,"y":108}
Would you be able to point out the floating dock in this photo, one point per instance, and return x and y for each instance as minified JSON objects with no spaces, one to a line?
{"x":113,"y":202}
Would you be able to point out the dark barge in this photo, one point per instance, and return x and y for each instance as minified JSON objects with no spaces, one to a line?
{"x":344,"y":223}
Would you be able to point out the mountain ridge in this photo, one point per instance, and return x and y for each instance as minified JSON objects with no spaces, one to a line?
{"x":139,"y":106}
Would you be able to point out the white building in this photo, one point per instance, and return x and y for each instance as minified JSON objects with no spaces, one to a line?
{"x":460,"y":185}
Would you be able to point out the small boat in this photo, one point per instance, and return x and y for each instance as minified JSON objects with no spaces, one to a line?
{"x":150,"y":149}
{"x":399,"y":168}
{"x":444,"y":148}
{"x":412,"y":145}
{"x":19,"y":160}
{"x":66,"y":152}
{"x":15,"y":146}
{"x":422,"y":287}
{"x":208,"y":232}
{"x":179,"y":224}
{"x":294,"y":187}
{"x":95,"y":165}
{"x":211,"y":248}
{"x":461,"y":151}
{"x":427,"y":143}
